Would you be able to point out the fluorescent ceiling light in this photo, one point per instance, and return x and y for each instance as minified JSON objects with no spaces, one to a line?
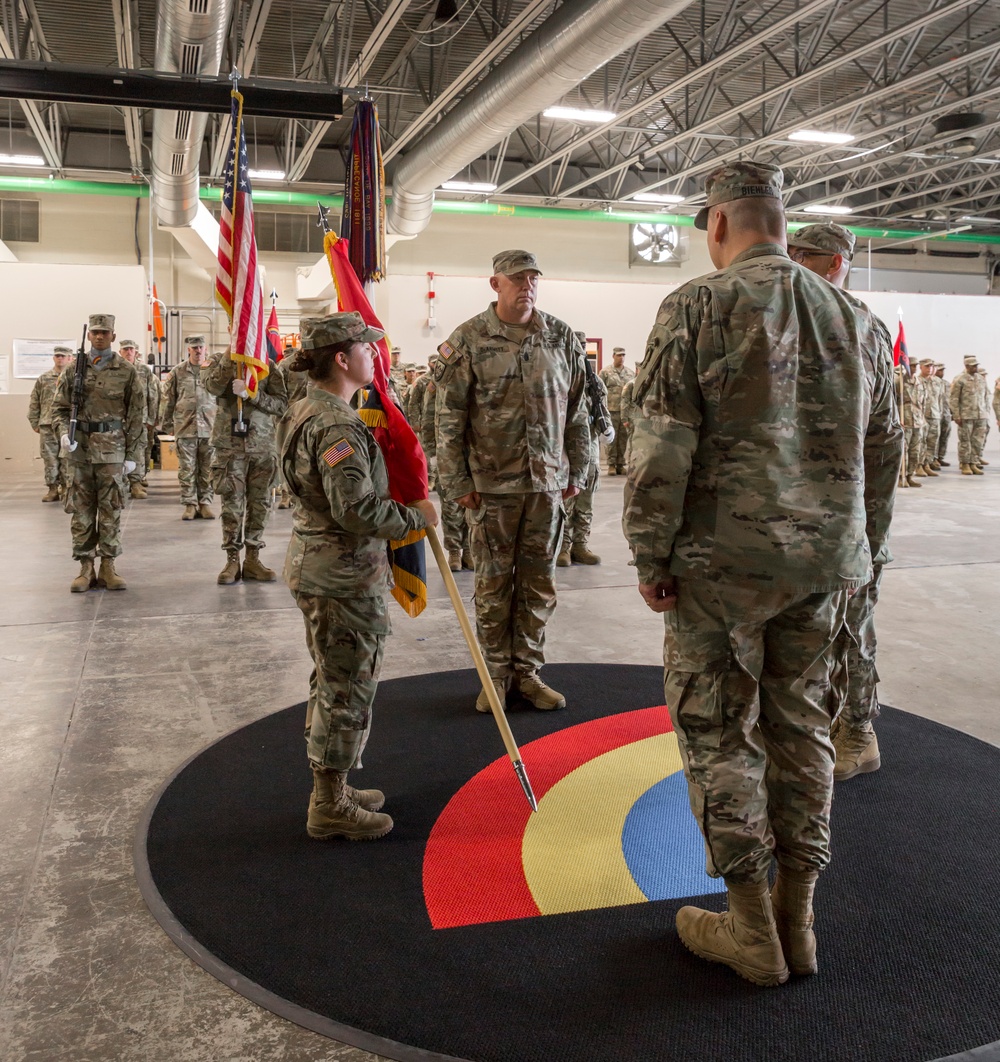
{"x":266,"y":175}
{"x":469,"y":186}
{"x":827,"y":208}
{"x":21,"y":160}
{"x":981,"y":221}
{"x":816,"y":136}
{"x":657,"y":197}
{"x":577,"y":114}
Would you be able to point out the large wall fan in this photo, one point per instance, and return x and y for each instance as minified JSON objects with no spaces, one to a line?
{"x":656,"y":243}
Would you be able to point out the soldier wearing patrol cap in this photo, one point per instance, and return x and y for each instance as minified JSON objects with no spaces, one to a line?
{"x":129,"y":350}
{"x":760,"y":486}
{"x":969,"y":395}
{"x":614,"y":377}
{"x":105,"y":451}
{"x":40,"y":417}
{"x":826,"y":249}
{"x":930,"y":406}
{"x":414,"y":405}
{"x":336,"y":566}
{"x":189,"y":415}
{"x":513,"y":444}
{"x":945,"y":434}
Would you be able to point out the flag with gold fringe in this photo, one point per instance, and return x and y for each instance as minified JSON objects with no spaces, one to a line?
{"x":404,"y":456}
{"x":363,"y":221}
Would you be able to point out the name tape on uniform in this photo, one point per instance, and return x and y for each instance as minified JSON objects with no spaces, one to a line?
{"x":338,"y":452}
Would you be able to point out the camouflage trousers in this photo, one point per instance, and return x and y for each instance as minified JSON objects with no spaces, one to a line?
{"x":243,"y":483}
{"x":616,"y":451}
{"x":514,"y":538}
{"x":971,"y":440}
{"x":943,"y":437}
{"x":195,"y":459}
{"x":860,"y":705}
{"x":753,"y":685}
{"x":346,"y":639}
{"x":912,"y":438}
{"x":455,"y":529}
{"x":929,"y":447}
{"x":579,"y":518}
{"x":95,"y":499}
{"x":56,"y":470}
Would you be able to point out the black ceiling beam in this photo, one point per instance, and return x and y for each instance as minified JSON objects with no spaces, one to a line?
{"x":172,"y":92}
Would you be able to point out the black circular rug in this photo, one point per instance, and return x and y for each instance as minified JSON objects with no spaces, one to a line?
{"x":476,"y":930}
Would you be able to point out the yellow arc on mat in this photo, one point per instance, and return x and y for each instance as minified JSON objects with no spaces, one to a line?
{"x":572,"y":848}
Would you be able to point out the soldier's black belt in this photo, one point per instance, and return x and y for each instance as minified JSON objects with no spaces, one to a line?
{"x":94,"y":426}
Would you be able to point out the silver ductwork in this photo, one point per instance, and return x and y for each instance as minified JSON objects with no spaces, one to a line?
{"x":577,"y":40}
{"x":190,"y":38}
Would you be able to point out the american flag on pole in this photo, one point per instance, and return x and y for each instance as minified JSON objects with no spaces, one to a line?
{"x":237,"y":282}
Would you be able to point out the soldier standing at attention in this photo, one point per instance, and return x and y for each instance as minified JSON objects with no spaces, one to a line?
{"x":984,"y":414}
{"x":189,"y":415}
{"x":129,"y":350}
{"x":966,"y":401}
{"x":40,"y":418}
{"x":760,"y":487}
{"x":396,"y":370}
{"x":929,"y":406}
{"x":614,"y":378}
{"x":913,"y":422}
{"x":414,"y":406}
{"x":512,"y":444}
{"x":245,"y":463}
{"x":295,"y":386}
{"x":108,"y":438}
{"x":946,"y":417}
{"x":824,"y":249}
{"x":337,"y":567}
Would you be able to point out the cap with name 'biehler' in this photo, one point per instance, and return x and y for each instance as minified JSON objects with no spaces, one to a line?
{"x":826,"y":238}
{"x":739,"y":180}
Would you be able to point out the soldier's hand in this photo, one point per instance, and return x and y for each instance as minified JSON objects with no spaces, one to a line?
{"x":570,"y":492}
{"x":470,"y":501}
{"x":661,"y":596}
{"x":240,"y":388}
{"x":426,"y":509}
{"x":66,"y":446}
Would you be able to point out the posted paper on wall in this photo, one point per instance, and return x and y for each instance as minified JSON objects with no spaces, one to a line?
{"x":32,"y":357}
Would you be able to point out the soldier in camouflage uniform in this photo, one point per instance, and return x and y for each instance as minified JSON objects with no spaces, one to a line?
{"x":760,"y":487}
{"x":129,"y":350}
{"x":337,"y":568}
{"x":189,"y":415}
{"x":614,"y":378}
{"x":295,"y":386}
{"x":414,"y":405}
{"x":946,"y":418}
{"x":913,"y":421}
{"x":108,"y":439}
{"x":575,"y":548}
{"x":512,"y":443}
{"x":828,"y":249}
{"x":930,"y":399}
{"x":966,"y":401}
{"x":396,"y":370}
{"x":41,"y":420}
{"x":996,"y":401}
{"x":245,"y":464}
{"x":984,"y":414}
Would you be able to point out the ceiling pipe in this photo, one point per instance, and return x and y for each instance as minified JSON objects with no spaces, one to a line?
{"x":190,"y":40}
{"x":564,"y":51}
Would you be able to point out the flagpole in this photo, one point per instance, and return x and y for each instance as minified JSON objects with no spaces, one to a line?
{"x":496,"y":707}
{"x":903,"y":481}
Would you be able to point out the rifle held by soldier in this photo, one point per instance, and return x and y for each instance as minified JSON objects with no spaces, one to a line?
{"x":599,"y":415}
{"x":79,"y":372}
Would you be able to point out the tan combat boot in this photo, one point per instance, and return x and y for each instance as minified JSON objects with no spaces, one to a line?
{"x":537,"y":693}
{"x":483,"y":701}
{"x":108,"y":577}
{"x":52,"y":494}
{"x":86,"y":579}
{"x":563,"y":560}
{"x":581,"y":554}
{"x":982,"y":462}
{"x":467,"y":564}
{"x":792,"y":900}
{"x":943,"y":463}
{"x":857,"y":751}
{"x":977,"y":470}
{"x":334,"y":813}
{"x":231,"y":572}
{"x":137,"y":490}
{"x":935,"y":465}
{"x":190,"y":512}
{"x":455,"y":560}
{"x":744,"y":938}
{"x":369,"y":799}
{"x":254,"y":569}
{"x":929,"y":470}
{"x":919,"y":471}
{"x":966,"y":470}
{"x":911,"y":481}
{"x":284,"y":499}
{"x":205,"y":511}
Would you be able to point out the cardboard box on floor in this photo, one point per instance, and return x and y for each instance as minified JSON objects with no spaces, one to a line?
{"x":168,"y":453}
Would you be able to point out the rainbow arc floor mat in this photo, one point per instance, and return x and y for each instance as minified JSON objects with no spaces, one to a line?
{"x":479,"y":931}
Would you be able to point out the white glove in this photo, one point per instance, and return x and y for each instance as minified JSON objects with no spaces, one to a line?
{"x":240,"y":388}
{"x":609,"y":436}
{"x":432,"y":465}
{"x":66,"y":446}
{"x":129,"y":468}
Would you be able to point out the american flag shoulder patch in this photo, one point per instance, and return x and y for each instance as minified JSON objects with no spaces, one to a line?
{"x":336,"y":453}
{"x":446,"y":350}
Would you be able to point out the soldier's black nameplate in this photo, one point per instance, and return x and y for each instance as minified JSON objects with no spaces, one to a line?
{"x":242,"y":430}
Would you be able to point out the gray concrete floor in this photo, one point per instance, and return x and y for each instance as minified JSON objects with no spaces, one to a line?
{"x":103,"y":695}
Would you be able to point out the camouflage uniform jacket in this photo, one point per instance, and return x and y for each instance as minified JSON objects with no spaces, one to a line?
{"x":512,"y":416}
{"x":768,"y":446}
{"x":112,"y":394}
{"x":943,"y":388}
{"x":614,"y":380}
{"x":984,"y":383}
{"x":413,"y":404}
{"x":295,"y":382}
{"x":913,"y":396}
{"x":333,"y":465}
{"x":426,"y":426}
{"x":931,"y":394}
{"x":628,"y":406}
{"x":595,"y":439}
{"x":151,"y":386}
{"x":996,"y":399}
{"x":967,"y":396}
{"x":42,"y":395}
{"x":188,"y":406}
{"x":260,"y":415}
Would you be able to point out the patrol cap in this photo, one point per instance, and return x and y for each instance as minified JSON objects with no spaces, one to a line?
{"x":194,"y":341}
{"x":507,"y":263}
{"x":827,"y":238}
{"x":337,"y":328}
{"x":619,"y":350}
{"x":396,"y":350}
{"x":101,"y":322}
{"x":66,"y":352}
{"x":739,"y":180}
{"x":128,"y":343}
{"x":410,"y":366}
{"x":971,"y":359}
{"x":433,"y":360}
{"x":926,"y":361}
